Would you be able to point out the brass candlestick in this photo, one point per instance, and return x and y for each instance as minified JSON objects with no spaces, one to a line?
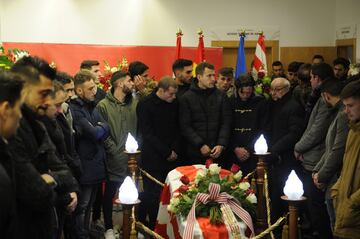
{"x":293,"y":215}
{"x":132,"y":171}
{"x":129,"y":219}
{"x":261,"y":222}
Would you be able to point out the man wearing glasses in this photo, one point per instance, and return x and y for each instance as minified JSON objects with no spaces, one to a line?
{"x":285,"y":129}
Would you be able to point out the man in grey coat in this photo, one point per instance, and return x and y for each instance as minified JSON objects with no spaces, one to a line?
{"x":311,"y":147}
{"x":328,"y":169}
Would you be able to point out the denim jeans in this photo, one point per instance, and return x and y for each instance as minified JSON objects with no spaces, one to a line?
{"x":83,"y":210}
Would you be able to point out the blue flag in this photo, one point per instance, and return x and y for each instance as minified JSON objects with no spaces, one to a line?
{"x":240,"y":62}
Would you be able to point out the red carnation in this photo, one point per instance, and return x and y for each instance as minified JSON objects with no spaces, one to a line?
{"x":250,"y":191}
{"x":185,"y":180}
{"x":183,"y":188}
{"x":235,"y":168}
{"x":261,"y":74}
{"x":208,"y":162}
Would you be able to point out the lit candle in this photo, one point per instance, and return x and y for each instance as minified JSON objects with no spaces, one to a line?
{"x":260,"y":145}
{"x":293,"y":187}
{"x":131,"y":145}
{"x":128,"y":193}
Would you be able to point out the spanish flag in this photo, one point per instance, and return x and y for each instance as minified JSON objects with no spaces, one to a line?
{"x":200,"y":52}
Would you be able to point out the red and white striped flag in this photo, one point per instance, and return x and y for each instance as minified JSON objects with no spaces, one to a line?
{"x":260,"y":57}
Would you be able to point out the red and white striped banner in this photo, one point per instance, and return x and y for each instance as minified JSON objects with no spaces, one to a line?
{"x":260,"y":56}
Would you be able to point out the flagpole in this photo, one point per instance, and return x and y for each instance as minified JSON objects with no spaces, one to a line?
{"x":179,"y":34}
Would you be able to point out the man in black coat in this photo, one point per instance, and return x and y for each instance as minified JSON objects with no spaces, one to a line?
{"x":285,"y":128}
{"x":91,"y":131}
{"x":159,"y":130}
{"x":38,"y":171}
{"x":205,"y":117}
{"x":10,"y":114}
{"x":249,"y":115}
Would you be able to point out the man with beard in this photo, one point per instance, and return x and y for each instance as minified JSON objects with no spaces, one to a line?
{"x":68,"y":83}
{"x":327,"y":170}
{"x":119,"y":111}
{"x":91,"y":131}
{"x":309,"y":149}
{"x":38,"y":170}
{"x":182,"y":69}
{"x":249,"y":115}
{"x":159,"y":131}
{"x":10,"y":115}
{"x":205,"y":117}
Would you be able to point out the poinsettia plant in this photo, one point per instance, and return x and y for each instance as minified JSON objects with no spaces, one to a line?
{"x":233,"y":184}
{"x":108,"y":71}
{"x":262,"y":84}
{"x":9,"y":57}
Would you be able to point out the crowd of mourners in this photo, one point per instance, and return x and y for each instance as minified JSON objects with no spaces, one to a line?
{"x":63,"y":137}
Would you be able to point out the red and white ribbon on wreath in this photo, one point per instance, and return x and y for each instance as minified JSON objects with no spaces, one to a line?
{"x":222,"y":198}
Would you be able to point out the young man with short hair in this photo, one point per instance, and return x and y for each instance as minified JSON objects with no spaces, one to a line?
{"x":346,"y":191}
{"x":10,"y":115}
{"x":119,"y":110}
{"x":341,"y":68}
{"x":39,"y":172}
{"x":91,"y":131}
{"x":205,"y":117}
{"x":225,"y":80}
{"x":182,"y":69}
{"x":159,"y":131}
{"x":94,"y":67}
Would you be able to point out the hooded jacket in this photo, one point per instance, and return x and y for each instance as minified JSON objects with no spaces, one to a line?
{"x":121,"y":117}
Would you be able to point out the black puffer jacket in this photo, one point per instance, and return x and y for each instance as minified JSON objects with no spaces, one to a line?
{"x":34,"y":154}
{"x":205,"y":118}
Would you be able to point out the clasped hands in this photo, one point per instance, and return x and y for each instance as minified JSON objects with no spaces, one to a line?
{"x":214,"y":153}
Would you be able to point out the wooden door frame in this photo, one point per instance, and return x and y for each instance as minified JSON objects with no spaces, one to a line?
{"x":347,"y":42}
{"x":272,"y":44}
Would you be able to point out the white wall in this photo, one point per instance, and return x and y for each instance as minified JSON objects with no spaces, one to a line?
{"x":154,"y":22}
{"x":347,"y":12}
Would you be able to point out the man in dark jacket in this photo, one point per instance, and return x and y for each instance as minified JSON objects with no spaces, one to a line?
{"x":66,"y":202}
{"x":159,"y":131}
{"x":205,"y":117}
{"x":249,"y":115}
{"x":286,"y":127}
{"x":38,"y":170}
{"x":119,"y":111}
{"x":328,"y":169}
{"x":10,"y":114}
{"x":311,"y":146}
{"x":91,"y":131}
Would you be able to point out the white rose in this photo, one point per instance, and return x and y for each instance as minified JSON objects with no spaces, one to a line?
{"x":114,"y":69}
{"x":238,"y":175}
{"x":251,"y":198}
{"x":199,"y":175}
{"x":174,"y":201}
{"x":214,"y":169}
{"x":171,"y":208}
{"x":244,"y":185}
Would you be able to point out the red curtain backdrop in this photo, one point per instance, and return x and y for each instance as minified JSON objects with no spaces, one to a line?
{"x":68,"y":57}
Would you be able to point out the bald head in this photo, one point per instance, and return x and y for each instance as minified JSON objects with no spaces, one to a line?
{"x":279,"y":87}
